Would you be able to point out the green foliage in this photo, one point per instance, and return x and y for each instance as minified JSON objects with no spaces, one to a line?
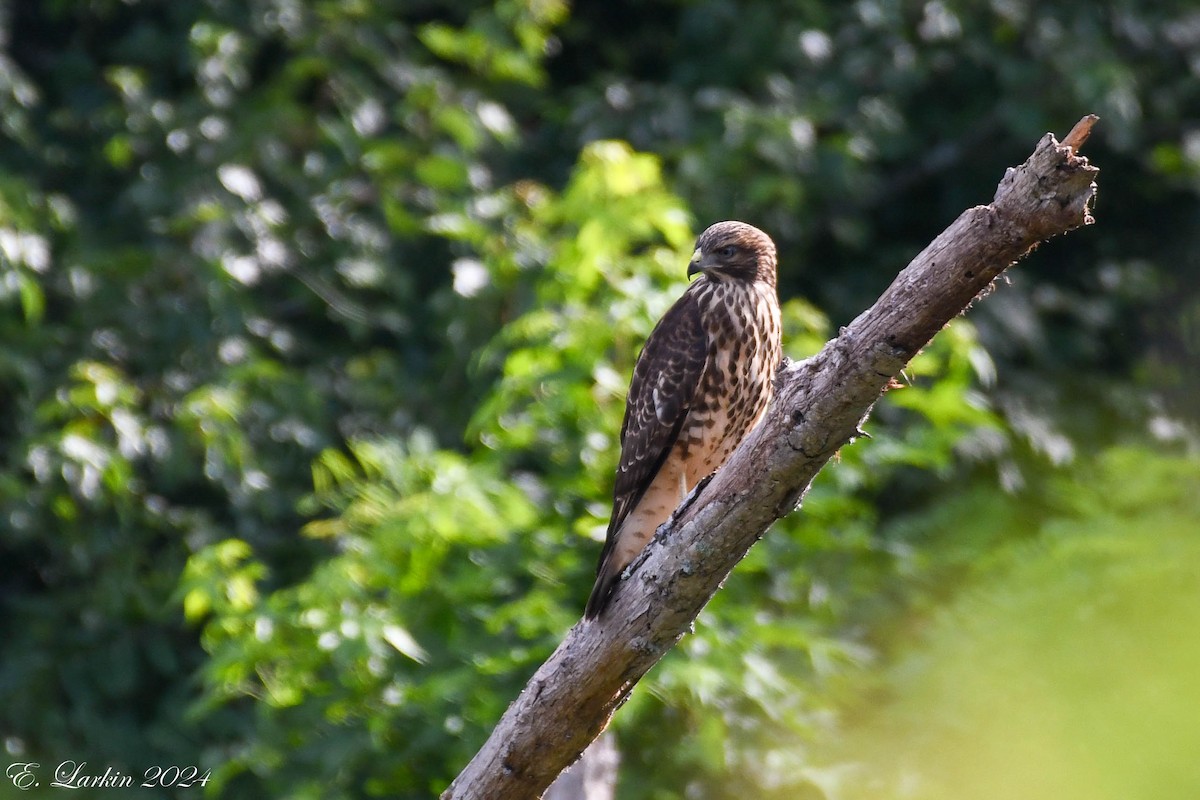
{"x":376,"y":660}
{"x":318,"y":318}
{"x":450,"y":568}
{"x":208,"y":223}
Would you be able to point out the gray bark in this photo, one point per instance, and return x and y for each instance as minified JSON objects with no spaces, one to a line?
{"x":818,"y":407}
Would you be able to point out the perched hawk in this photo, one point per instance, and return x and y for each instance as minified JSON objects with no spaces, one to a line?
{"x":702,"y":382}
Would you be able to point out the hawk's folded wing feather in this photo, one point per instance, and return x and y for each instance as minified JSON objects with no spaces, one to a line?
{"x":664,"y":383}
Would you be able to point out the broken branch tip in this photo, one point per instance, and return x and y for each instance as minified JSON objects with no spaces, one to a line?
{"x":1080,"y":133}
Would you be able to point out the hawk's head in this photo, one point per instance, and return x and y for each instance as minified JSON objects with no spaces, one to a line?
{"x":734,"y":251}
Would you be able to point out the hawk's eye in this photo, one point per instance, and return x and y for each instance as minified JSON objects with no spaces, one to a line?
{"x":727,"y":251}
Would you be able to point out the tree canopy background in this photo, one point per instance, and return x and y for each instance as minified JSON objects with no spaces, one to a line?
{"x":318,"y":317}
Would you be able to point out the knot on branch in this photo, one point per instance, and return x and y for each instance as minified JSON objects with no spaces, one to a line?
{"x":803,"y":442}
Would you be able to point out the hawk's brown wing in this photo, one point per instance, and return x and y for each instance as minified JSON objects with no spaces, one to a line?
{"x":665,"y":380}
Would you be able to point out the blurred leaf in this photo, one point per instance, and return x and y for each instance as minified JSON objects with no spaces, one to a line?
{"x":1071,"y":656}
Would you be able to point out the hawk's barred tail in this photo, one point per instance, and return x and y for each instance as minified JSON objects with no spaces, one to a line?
{"x":606,"y":581}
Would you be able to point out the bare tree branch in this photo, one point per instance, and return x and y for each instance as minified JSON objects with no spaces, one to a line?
{"x":819,"y":406}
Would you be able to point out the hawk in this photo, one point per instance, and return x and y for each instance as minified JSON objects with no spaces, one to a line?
{"x":702,"y":382}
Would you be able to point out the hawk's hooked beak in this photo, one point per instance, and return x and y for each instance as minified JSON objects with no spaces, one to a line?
{"x":699,"y":263}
